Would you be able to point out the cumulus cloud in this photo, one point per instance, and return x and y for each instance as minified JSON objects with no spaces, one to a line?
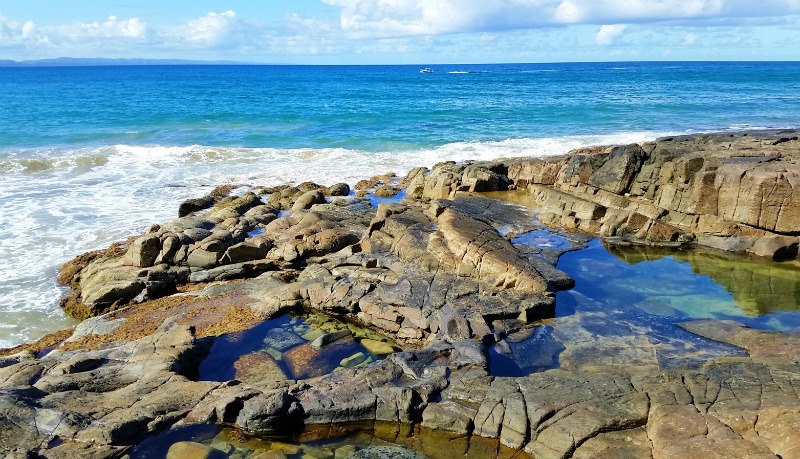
{"x":211,"y":29}
{"x":413,"y":17}
{"x":113,"y":27}
{"x":28,"y":35}
{"x":414,"y":30}
{"x":608,"y":33}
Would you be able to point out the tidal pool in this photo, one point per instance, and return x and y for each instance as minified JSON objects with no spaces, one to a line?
{"x":685,"y":285}
{"x":284,"y":348}
{"x":375,"y":200}
{"x":358,"y":441}
{"x":627,"y":304}
{"x":542,"y":239}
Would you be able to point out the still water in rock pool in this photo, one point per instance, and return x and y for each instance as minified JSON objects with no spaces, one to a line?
{"x":627,"y":304}
{"x":354,"y":441}
{"x":291,"y":347}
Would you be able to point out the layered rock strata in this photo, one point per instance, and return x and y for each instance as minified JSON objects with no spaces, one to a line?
{"x":438,"y":275}
{"x":736,"y":192}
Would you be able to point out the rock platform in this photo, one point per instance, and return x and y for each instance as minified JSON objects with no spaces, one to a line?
{"x":437,"y":275}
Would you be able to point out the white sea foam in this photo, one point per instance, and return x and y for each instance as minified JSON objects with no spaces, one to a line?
{"x":84,"y":199}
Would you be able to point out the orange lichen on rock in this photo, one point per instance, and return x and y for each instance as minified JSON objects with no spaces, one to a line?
{"x":209,"y":316}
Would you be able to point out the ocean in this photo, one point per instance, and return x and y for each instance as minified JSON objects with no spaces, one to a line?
{"x":92,"y":155}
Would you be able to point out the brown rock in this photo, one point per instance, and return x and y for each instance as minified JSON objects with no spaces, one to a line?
{"x":258,"y":367}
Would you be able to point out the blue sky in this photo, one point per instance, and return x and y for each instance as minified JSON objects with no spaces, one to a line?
{"x":402,"y":31}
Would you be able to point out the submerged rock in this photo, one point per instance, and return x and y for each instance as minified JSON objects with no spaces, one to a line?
{"x":439,"y":276}
{"x":385,"y":452}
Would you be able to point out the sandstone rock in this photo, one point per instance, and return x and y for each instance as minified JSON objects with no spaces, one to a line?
{"x":308,"y":199}
{"x":617,"y":172}
{"x":192,"y":450}
{"x":385,"y":452}
{"x":193,"y":205}
{"x":268,"y":412}
{"x":339,"y":189}
{"x":258,"y":367}
{"x":386,"y":191}
{"x":483,"y":254}
{"x":673,"y":190}
{"x":440,"y":277}
{"x":262,"y":214}
{"x":282,"y":339}
{"x":232,"y":271}
{"x":253,"y":249}
{"x":353,"y":360}
{"x":200,"y":258}
{"x":143,"y":252}
{"x":197,"y":234}
{"x":238,"y":205}
{"x":377,"y":347}
{"x":779,"y":248}
{"x":269,"y":455}
{"x":450,"y":416}
{"x":329,"y":338}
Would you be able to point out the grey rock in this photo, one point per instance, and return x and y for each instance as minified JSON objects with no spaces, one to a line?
{"x":246,"y":251}
{"x":194,"y":205}
{"x":200,"y":258}
{"x":282,"y":339}
{"x":144,"y":251}
{"x":339,"y":189}
{"x":308,"y":199}
{"x":385,"y":452}
{"x":330,"y":338}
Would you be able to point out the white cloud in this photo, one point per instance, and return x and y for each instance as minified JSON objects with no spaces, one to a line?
{"x":414,"y":31}
{"x":384,"y":18}
{"x":608,"y":33}
{"x":212,"y":28}
{"x":113,"y":27}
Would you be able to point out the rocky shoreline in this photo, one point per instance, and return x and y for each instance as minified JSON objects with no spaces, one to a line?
{"x":434,"y":275}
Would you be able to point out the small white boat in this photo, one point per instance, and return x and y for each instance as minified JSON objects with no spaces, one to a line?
{"x":426,"y":70}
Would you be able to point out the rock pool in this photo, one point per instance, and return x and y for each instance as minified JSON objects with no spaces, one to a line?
{"x":628,"y":301}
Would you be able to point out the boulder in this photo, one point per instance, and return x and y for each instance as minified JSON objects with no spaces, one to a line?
{"x":194,"y":205}
{"x":308,"y":199}
{"x":377,"y":347}
{"x":779,"y":248}
{"x":339,"y":189}
{"x":330,"y":338}
{"x":144,"y":251}
{"x":249,"y":250}
{"x":193,"y":450}
{"x":203,"y":259}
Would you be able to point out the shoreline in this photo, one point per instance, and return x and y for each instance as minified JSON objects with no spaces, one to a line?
{"x":437,"y":275}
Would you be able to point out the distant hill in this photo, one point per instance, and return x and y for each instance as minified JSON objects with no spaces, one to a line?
{"x":87,"y":62}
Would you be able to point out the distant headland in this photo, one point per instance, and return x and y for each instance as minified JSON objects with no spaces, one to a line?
{"x":102,"y":61}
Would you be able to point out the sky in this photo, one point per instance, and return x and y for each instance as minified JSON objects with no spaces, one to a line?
{"x":402,"y":31}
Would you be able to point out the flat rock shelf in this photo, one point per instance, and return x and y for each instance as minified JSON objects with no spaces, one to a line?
{"x":625,"y":301}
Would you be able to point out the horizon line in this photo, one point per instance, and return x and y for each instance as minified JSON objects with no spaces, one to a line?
{"x":65,"y":61}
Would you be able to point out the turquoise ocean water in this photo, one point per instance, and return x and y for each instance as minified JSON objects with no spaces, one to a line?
{"x":91,"y":155}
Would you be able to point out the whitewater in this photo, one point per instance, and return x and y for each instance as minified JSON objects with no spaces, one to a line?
{"x":91,"y":156}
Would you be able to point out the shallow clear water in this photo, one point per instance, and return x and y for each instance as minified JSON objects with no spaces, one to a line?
{"x":281,"y":349}
{"x":542,"y":239}
{"x":678,"y":286}
{"x":329,"y":441}
{"x":627,"y":303}
{"x":92,"y":155}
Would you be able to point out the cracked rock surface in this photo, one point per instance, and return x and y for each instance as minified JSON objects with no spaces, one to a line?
{"x":437,"y":275}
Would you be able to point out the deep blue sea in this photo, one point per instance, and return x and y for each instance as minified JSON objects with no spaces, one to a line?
{"x":90,"y":155}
